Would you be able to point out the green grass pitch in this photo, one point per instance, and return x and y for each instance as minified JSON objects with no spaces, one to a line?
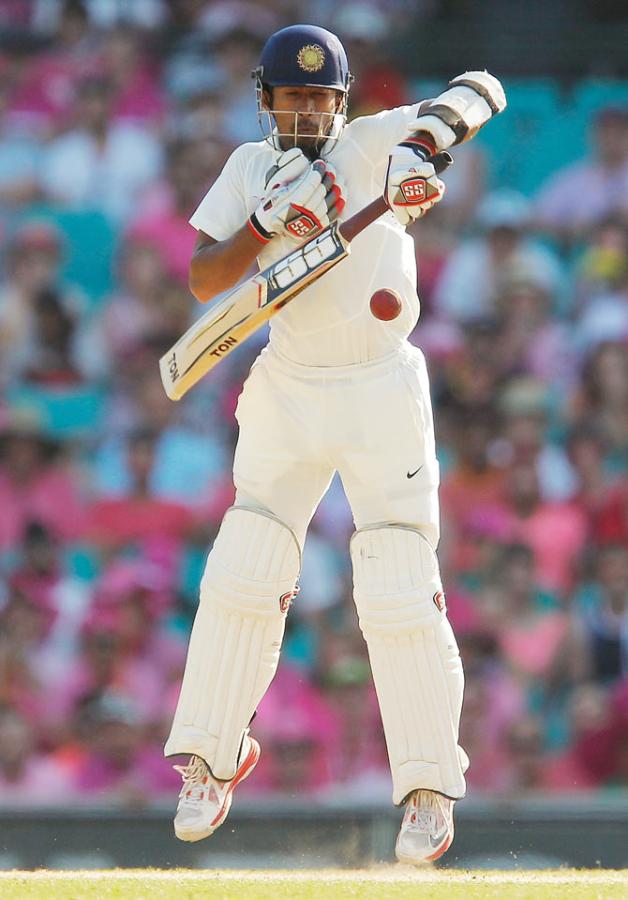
{"x":378,"y":883}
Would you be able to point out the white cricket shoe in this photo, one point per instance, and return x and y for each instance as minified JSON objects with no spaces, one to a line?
{"x":204,"y":802}
{"x":427,"y":829}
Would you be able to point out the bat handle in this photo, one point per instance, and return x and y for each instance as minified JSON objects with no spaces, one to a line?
{"x":377,"y":208}
{"x":441,"y":161}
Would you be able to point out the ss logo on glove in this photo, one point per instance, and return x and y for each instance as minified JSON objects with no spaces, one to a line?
{"x":303,"y":224}
{"x":412,"y":186}
{"x":413,"y":190}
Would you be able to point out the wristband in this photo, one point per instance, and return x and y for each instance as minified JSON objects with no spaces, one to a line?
{"x":257,"y":230}
{"x":420,"y":145}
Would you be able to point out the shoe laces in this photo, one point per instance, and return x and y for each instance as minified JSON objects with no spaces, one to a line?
{"x":194,"y":777}
{"x":423,"y":817}
{"x":423,"y":821}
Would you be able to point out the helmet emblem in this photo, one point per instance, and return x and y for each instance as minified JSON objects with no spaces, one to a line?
{"x":311,"y":58}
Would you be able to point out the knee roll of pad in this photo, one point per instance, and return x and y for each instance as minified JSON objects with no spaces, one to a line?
{"x":397,"y":578}
{"x":255,"y":561}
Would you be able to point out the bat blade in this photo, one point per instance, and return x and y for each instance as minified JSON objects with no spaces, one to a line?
{"x":241,"y":312}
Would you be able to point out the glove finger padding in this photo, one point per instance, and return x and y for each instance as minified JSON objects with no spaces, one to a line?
{"x":285,"y":208}
{"x":290,"y":165}
{"x":300,"y":208}
{"x":334,"y":198}
{"x":327,"y":204}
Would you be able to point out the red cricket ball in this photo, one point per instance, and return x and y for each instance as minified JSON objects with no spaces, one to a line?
{"x":385,"y":304}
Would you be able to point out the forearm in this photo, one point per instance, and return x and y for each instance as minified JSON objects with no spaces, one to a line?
{"x":297,"y":207}
{"x":217,"y":266}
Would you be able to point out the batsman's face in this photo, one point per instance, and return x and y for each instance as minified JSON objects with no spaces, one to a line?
{"x":303,"y":115}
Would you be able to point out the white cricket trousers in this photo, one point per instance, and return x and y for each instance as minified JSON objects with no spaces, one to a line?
{"x":371,"y":422}
{"x":298,"y":425}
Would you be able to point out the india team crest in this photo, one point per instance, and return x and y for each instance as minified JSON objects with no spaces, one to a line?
{"x":311,"y":58}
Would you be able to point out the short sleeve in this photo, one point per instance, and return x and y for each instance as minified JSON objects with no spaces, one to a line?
{"x":376,"y":135}
{"x":223,"y":209}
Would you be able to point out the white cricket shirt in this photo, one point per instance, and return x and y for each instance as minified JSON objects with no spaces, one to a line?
{"x":330,"y":323}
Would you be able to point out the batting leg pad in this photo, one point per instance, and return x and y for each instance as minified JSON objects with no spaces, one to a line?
{"x":246,"y":589}
{"x":414,"y":657}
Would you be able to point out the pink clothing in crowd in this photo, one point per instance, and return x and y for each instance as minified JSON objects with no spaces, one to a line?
{"x":561,"y":772}
{"x":137,"y":678}
{"x":142,"y":672}
{"x":293,"y":715}
{"x":45,"y":96}
{"x":556,"y":533}
{"x":607,"y":192}
{"x":51,"y":498}
{"x":42,"y":782}
{"x":141,"y":100}
{"x":16,"y":13}
{"x":145,"y":774}
{"x":123,"y":336}
{"x":461,"y":611}
{"x":492,"y":703}
{"x":550,"y":356}
{"x":532,"y":648}
{"x":126,"y":324}
{"x":356,"y":747}
{"x":169,"y":231}
{"x":609,"y":521}
{"x":565,"y":772}
{"x":122,"y":521}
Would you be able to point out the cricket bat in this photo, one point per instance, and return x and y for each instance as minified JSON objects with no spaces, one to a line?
{"x":245,"y":308}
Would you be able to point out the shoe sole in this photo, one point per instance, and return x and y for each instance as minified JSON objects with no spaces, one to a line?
{"x":444,"y":847}
{"x":241,"y":775}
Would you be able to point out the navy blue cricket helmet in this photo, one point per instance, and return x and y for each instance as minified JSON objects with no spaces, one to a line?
{"x":304,"y":56}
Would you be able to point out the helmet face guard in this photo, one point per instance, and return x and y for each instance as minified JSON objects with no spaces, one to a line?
{"x":302,"y":56}
{"x":322,"y":142}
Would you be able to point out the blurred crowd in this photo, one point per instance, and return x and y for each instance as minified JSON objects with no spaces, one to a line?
{"x":114,"y":120}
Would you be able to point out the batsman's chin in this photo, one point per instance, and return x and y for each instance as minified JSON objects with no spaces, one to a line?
{"x":310,"y":145}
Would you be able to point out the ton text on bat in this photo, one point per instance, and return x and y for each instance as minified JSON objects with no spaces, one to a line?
{"x":225,"y":346}
{"x":173,"y":367}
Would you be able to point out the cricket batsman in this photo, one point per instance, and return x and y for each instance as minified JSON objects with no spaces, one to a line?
{"x":335,"y":390}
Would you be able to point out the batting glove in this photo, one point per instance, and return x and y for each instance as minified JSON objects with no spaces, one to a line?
{"x":300,"y":208}
{"x":290,"y":165}
{"x":412,"y":186}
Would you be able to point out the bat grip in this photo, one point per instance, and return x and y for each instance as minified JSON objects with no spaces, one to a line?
{"x":377,"y":208}
{"x":441,"y":161}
